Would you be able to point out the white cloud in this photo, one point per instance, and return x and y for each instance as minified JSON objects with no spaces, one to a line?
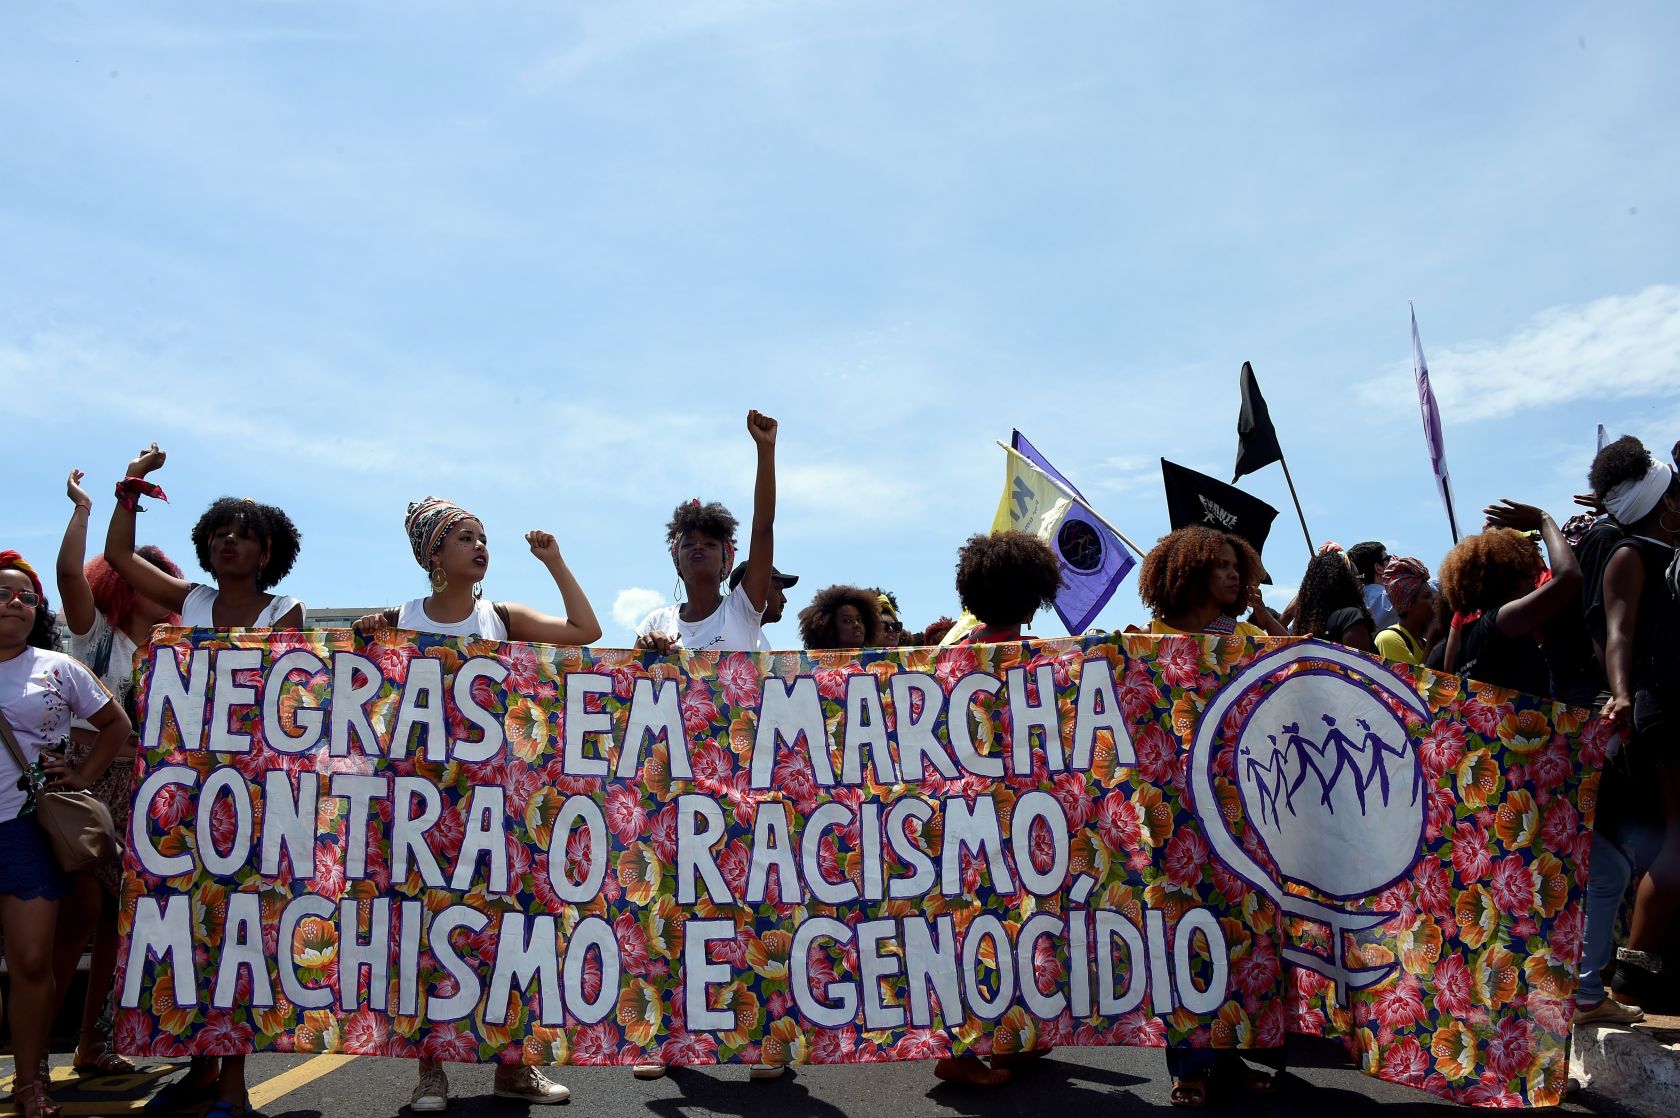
{"x":633,"y":604}
{"x":1616,"y":347}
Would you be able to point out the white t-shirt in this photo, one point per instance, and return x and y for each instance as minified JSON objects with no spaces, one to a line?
{"x":483,"y":623}
{"x":735,"y":626}
{"x":196,"y":610}
{"x":40,"y":692}
{"x":118,"y":676}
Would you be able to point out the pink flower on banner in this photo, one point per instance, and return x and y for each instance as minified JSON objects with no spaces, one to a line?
{"x":1405,"y":1061}
{"x":391,"y":659}
{"x":171,"y":805}
{"x":698,"y":710}
{"x":921,"y":1044}
{"x":579,"y":858}
{"x":662,"y":836}
{"x":1159,"y":757}
{"x":831,"y":682}
{"x":1179,"y":660}
{"x":1568,"y":932}
{"x":1235,"y":717}
{"x":1440,"y":747}
{"x":1073,"y":793}
{"x":134,"y":1031}
{"x":1560,"y":824}
{"x":793,"y":778}
{"x":1433,"y":888}
{"x":688,"y":1048}
{"x":1256,"y":973}
{"x":1484,"y":718}
{"x":1471,"y":857}
{"x":1453,"y":987}
{"x":1595,"y":742}
{"x":596,"y":1045}
{"x":737,"y":677}
{"x":523,"y":667}
{"x":364,"y":1032}
{"x":626,"y":815}
{"x":1491,"y":1091}
{"x":522,"y":784}
{"x":833,"y":1046}
{"x":711,"y":765}
{"x":1138,"y":693}
{"x":445,"y":835}
{"x":1119,"y":822}
{"x":778,"y":1004}
{"x":954,"y":663}
{"x":1400,"y":1004}
{"x":632,"y":944}
{"x":1272,"y":1024}
{"x":221,"y":1035}
{"x":591,"y":981}
{"x":1441,"y":804}
{"x":1512,"y":885}
{"x":734,"y":863}
{"x":1554,"y":1015}
{"x":1187,"y":854}
{"x":1229,"y":885}
{"x":1550,"y":767}
{"x":1139,"y":1029}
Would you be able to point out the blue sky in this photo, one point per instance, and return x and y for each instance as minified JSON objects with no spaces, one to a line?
{"x":542,"y":258}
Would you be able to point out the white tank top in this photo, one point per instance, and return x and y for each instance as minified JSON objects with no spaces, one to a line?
{"x":483,"y":622}
{"x":201,"y":600}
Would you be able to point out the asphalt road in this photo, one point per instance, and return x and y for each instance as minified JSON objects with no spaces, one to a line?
{"x":1070,"y":1083}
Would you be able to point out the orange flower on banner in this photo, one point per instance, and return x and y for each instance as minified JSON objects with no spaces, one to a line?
{"x":1496,"y":974}
{"x":640,"y":1012}
{"x":639,"y":873}
{"x":1476,"y":914}
{"x":546,"y":1046}
{"x":541,"y":811}
{"x":768,"y":954}
{"x":1454,"y":1049}
{"x":315,"y":943}
{"x":1517,"y":820}
{"x":1551,"y":884}
{"x":1420,"y":945}
{"x":742,"y":728}
{"x":663,"y":923}
{"x":1479,"y":779}
{"x":272,"y":1019}
{"x":785,"y":1043}
{"x":1525,"y":730}
{"x":1232,"y":1028}
{"x":528,"y":733}
{"x":739,"y":999}
{"x":1548,"y":977}
{"x":1156,"y":813}
{"x":317,"y":1032}
{"x":1185,"y":711}
{"x":1016,"y":1032}
{"x":172,"y":1018}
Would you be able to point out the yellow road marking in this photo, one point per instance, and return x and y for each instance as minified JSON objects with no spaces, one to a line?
{"x":288,"y":1081}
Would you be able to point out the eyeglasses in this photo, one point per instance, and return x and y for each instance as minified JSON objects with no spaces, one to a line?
{"x":892,"y":626}
{"x":27,"y":597}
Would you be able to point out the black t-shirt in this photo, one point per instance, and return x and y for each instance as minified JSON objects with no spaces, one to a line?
{"x":1656,"y":627}
{"x":1340,"y":621}
{"x":1486,"y":654}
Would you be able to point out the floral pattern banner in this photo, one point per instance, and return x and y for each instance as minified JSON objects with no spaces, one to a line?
{"x":476,"y":851}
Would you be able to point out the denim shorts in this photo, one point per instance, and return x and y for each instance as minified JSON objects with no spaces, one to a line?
{"x":27,"y":867}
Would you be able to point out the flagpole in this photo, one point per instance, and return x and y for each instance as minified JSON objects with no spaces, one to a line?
{"x":1304,"y":533}
{"x":1072,"y":496}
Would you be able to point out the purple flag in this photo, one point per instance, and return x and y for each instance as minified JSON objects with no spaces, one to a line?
{"x":1094,"y":561}
{"x":1432,"y":427}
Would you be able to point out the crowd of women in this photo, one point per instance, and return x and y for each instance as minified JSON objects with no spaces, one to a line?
{"x":1585,"y":611}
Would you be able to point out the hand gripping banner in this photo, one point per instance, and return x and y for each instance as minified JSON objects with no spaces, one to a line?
{"x":416,"y":846}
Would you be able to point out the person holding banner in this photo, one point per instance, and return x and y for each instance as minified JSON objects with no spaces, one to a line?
{"x":41,"y":691}
{"x":247,"y":547}
{"x":701,"y":538}
{"x":842,"y":617}
{"x":450,"y":545}
{"x":1199,"y":580}
{"x":1193,"y":581}
{"x":108,"y":623}
{"x":1330,"y":605}
{"x":1635,"y":624}
{"x":1406,"y":581}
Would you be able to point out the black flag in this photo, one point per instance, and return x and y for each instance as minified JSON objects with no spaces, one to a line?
{"x":1257,"y":443}
{"x":1194,"y":498}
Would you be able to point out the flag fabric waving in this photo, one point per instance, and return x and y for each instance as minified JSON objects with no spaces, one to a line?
{"x":1194,"y":498}
{"x":1257,"y":441}
{"x":1432,"y":427}
{"x":1093,"y":558}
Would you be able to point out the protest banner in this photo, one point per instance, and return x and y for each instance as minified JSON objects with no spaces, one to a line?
{"x":477,"y":851}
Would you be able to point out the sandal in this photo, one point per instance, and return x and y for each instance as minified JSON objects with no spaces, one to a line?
{"x":33,"y":1102}
{"x":106,"y":1063}
{"x":1257,"y":1082}
{"x":1190,"y":1091}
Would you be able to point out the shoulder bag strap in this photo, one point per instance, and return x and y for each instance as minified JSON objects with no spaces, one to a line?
{"x":502,"y":612}
{"x":12,"y":744}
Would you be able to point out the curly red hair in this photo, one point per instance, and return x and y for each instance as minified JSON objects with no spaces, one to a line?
{"x":1177,"y":569}
{"x":1488,"y":569}
{"x":114,"y":597}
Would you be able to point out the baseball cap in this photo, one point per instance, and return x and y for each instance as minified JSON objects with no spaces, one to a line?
{"x":740,"y":572}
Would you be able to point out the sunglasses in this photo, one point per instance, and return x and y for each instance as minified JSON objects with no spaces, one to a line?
{"x":892,"y":626}
{"x":27,"y":597}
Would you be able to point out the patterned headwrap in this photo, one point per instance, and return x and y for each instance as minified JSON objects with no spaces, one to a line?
{"x":14,"y":561}
{"x":1404,"y":579}
{"x":429,"y":521}
{"x":884,"y":604}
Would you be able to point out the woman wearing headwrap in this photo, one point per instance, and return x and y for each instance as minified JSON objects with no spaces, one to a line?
{"x":1406,"y":581}
{"x":450,"y":545}
{"x":892,"y":629}
{"x":41,"y":690}
{"x":108,"y":623}
{"x":247,"y":547}
{"x":1631,"y":615}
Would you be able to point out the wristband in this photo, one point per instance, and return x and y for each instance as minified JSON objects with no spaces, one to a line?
{"x":130,"y":490}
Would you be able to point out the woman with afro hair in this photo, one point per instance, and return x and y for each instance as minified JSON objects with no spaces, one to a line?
{"x":841,"y":617}
{"x":701,"y":539}
{"x":108,"y":623}
{"x":1493,"y":582}
{"x":1634,"y":622}
{"x":41,"y":690}
{"x":247,"y":548}
{"x":1200,"y":580}
{"x":1331,"y":605}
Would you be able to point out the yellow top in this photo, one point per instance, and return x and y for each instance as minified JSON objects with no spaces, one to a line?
{"x":1159,"y":628}
{"x":1397,"y":643}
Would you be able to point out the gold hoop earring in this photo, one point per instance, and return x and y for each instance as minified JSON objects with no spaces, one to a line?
{"x":1666,"y":526}
{"x":438,"y":579}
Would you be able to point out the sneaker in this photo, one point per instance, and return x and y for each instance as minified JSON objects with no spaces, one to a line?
{"x":1609,"y":1012}
{"x":766,"y":1071}
{"x":530,"y":1085}
{"x":431,"y":1094}
{"x":649,"y":1071}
